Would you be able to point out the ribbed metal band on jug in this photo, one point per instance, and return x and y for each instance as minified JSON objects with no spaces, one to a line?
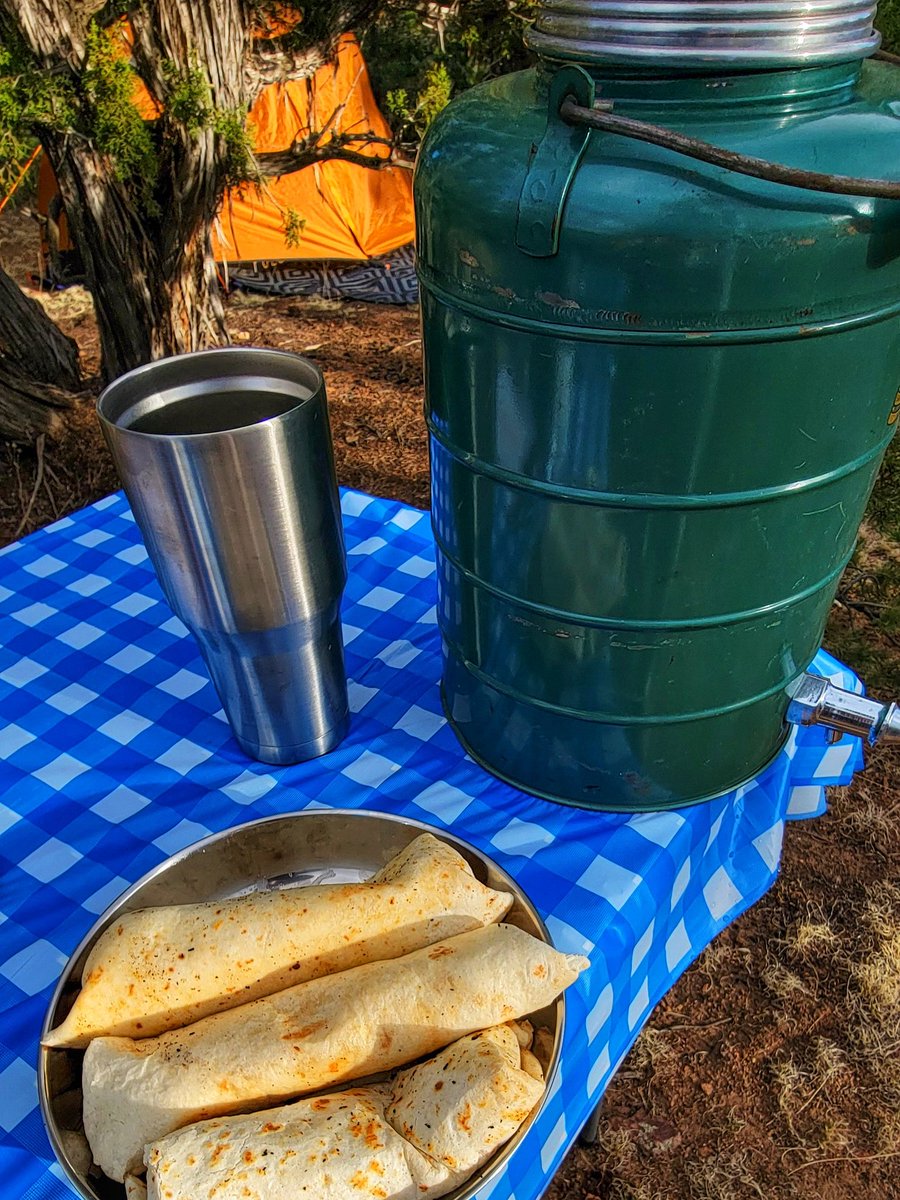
{"x":699,"y":33}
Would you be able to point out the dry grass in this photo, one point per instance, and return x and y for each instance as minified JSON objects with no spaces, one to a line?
{"x":720,"y":957}
{"x":618,"y":1146}
{"x":652,"y":1050}
{"x":72,"y":304}
{"x":844,"y":1100}
{"x":832,"y":972}
{"x":809,"y":1098}
{"x":877,"y":972}
{"x":872,"y":820}
{"x":723,"y":1176}
{"x":784,"y":985}
{"x":240,"y":299}
{"x":795,"y":962}
{"x":620,"y":1153}
{"x":619,"y":1189}
{"x":311,"y":304}
{"x":874,"y":1003}
{"x":788,"y":1078}
{"x":812,"y":937}
{"x":729,"y":1123}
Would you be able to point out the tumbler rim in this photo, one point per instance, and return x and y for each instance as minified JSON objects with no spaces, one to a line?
{"x":119,"y":397}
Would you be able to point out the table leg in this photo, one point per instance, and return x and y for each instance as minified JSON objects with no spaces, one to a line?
{"x":588,"y":1135}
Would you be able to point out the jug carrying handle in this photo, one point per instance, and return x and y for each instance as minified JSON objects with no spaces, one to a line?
{"x":600,"y":116}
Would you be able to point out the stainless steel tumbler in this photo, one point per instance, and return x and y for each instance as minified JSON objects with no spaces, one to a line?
{"x":226,"y":459}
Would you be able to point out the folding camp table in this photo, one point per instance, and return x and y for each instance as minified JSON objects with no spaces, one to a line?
{"x":114,"y":754}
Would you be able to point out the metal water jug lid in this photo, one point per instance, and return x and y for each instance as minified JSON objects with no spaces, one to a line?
{"x":730,"y":34}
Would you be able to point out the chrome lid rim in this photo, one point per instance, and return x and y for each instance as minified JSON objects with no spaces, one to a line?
{"x":737,"y":33}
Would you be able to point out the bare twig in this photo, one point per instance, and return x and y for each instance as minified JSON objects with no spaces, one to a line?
{"x":817,"y":1162}
{"x":600,"y":117}
{"x":14,"y":453}
{"x":50,"y":496}
{"x":694,"y":1025}
{"x":332,"y":121}
{"x":39,"y":475}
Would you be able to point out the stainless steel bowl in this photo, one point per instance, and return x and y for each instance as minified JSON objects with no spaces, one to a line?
{"x":322,"y":846}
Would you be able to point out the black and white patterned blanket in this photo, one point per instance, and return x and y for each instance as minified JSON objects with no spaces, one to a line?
{"x":389,"y":279}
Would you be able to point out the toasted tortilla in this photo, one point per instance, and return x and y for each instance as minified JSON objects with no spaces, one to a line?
{"x":135,"y":1188}
{"x":459,"y":1106}
{"x":330,"y":1148}
{"x":421,"y":1134}
{"x":162,"y":968}
{"x":324,"y":1032}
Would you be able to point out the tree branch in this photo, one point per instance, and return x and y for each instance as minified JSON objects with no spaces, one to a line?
{"x":53,"y":30}
{"x":308,"y":45}
{"x":28,"y":409}
{"x":31,"y":345}
{"x":339,"y":146}
{"x":212,"y":34}
{"x":271,"y":63}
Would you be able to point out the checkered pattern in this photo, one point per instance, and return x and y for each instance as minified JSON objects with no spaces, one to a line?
{"x":114,"y":753}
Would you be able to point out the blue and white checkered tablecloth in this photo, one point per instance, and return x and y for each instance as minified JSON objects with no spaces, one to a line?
{"x":114,"y":753}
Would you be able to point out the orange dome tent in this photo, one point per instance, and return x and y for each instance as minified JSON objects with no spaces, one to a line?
{"x":348,"y":212}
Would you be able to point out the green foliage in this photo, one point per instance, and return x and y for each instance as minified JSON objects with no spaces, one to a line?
{"x":239,"y":163}
{"x":490,"y":36}
{"x":189,"y":103}
{"x":411,"y":119}
{"x":435,"y":93}
{"x":408,"y":57}
{"x":31,"y":98}
{"x":293,"y":225}
{"x":884,"y":506}
{"x":114,"y":122}
{"x":99,"y":105}
{"x":397,"y":104}
{"x":399,"y":50}
{"x":188,"y":98}
{"x":887,"y":22}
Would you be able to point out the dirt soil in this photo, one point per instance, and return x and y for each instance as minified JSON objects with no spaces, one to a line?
{"x":772,"y":1068}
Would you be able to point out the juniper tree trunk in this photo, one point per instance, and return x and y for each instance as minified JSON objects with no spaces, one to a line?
{"x":38,"y":366}
{"x":153,"y":281}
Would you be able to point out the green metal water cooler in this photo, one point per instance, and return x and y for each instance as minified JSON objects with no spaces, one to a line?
{"x":659,"y":387}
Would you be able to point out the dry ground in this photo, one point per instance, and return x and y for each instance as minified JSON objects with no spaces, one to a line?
{"x":772,"y":1069}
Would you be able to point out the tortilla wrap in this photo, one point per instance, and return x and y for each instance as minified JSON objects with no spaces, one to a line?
{"x":161,"y":968}
{"x":324,"y":1032}
{"x":373,"y":1141}
{"x":459,"y":1106}
{"x":135,"y":1189}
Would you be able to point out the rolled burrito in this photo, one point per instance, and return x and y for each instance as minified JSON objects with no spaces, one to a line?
{"x":459,"y":1106}
{"x":135,"y":1188}
{"x":422,"y":1134}
{"x":327,"y":1031}
{"x":161,"y":968}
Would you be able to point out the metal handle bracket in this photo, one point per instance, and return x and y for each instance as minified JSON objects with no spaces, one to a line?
{"x":552,"y":165}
